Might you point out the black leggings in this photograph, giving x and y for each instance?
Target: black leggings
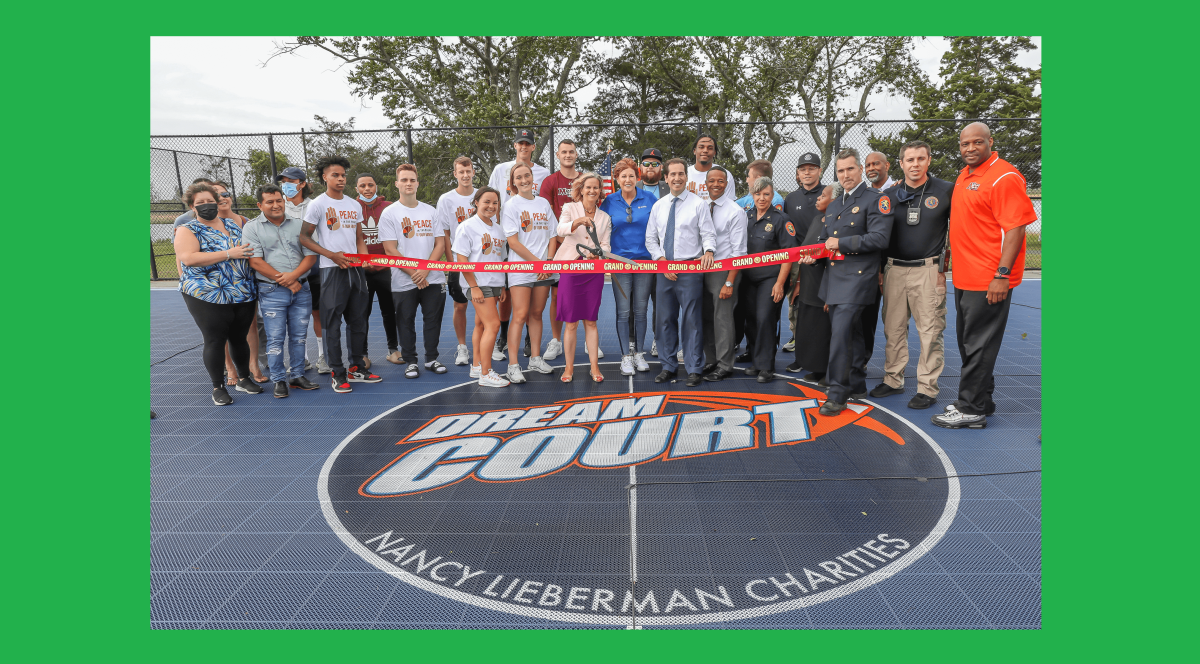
(221, 323)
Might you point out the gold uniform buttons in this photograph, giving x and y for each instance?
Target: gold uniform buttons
(860, 271)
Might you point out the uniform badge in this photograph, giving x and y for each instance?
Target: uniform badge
(790, 229)
(974, 186)
(769, 228)
(855, 209)
(885, 205)
(931, 202)
(779, 206)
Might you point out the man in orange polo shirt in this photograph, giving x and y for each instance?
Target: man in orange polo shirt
(988, 214)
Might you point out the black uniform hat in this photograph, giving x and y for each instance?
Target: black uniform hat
(809, 158)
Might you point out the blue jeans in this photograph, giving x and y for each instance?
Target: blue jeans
(680, 309)
(637, 289)
(285, 315)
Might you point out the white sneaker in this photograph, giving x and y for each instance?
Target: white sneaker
(639, 360)
(497, 354)
(493, 379)
(954, 418)
(461, 356)
(654, 348)
(627, 365)
(553, 350)
(539, 365)
(476, 370)
(679, 356)
(599, 353)
(514, 374)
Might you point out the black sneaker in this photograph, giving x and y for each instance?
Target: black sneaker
(765, 376)
(340, 384)
(859, 395)
(281, 389)
(750, 371)
(248, 386)
(303, 383)
(221, 397)
(794, 367)
(358, 374)
(885, 390)
(921, 401)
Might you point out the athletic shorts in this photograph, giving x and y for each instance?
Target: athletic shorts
(491, 291)
(455, 288)
(314, 285)
(535, 284)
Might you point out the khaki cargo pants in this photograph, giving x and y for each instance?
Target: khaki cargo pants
(913, 292)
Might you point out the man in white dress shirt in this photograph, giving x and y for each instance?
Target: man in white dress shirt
(721, 287)
(680, 229)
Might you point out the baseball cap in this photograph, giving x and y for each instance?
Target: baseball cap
(809, 158)
(653, 152)
(525, 135)
(292, 172)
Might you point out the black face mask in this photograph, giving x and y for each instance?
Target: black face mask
(207, 211)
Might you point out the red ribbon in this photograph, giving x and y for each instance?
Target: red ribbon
(582, 266)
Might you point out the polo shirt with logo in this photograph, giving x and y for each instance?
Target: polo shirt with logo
(987, 204)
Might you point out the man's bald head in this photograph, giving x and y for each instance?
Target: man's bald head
(975, 144)
(877, 169)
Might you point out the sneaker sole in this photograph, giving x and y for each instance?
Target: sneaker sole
(217, 403)
(483, 384)
(513, 381)
(242, 389)
(791, 370)
(975, 425)
(365, 380)
(547, 370)
(281, 396)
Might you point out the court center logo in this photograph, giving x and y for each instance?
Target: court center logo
(679, 506)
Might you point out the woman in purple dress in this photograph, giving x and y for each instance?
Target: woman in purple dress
(579, 295)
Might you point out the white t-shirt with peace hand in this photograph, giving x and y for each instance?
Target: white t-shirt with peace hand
(499, 179)
(337, 222)
(415, 230)
(452, 209)
(531, 222)
(480, 242)
(698, 184)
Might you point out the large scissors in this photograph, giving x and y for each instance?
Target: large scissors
(599, 254)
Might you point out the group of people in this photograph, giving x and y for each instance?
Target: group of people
(893, 239)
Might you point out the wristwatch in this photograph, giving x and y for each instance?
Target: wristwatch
(1002, 272)
(729, 284)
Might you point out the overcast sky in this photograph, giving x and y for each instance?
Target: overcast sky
(207, 85)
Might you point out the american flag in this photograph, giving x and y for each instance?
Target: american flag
(606, 174)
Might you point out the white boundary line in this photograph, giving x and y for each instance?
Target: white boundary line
(909, 557)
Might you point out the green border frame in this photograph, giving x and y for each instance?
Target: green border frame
(78, 94)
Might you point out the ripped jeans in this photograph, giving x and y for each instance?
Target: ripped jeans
(285, 317)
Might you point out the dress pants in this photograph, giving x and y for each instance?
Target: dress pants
(679, 309)
(762, 322)
(432, 300)
(718, 320)
(980, 328)
(343, 295)
(381, 282)
(870, 322)
(847, 352)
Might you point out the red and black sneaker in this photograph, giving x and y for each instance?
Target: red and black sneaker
(357, 374)
(340, 384)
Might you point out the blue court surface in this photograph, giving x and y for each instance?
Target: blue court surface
(434, 503)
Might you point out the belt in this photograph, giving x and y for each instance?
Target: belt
(918, 263)
(299, 281)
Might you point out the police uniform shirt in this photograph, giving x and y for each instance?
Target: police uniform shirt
(773, 231)
(862, 222)
(801, 207)
(929, 208)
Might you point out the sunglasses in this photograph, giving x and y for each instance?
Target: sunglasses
(628, 215)
(651, 164)
(226, 194)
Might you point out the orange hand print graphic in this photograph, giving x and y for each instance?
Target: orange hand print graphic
(406, 225)
(691, 186)
(526, 221)
(460, 214)
(331, 219)
(487, 244)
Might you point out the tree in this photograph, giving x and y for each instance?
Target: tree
(466, 81)
(834, 77)
(259, 171)
(980, 79)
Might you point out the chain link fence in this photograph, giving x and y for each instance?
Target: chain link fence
(245, 161)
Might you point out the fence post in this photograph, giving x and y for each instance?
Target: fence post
(837, 138)
(232, 188)
(408, 140)
(178, 179)
(304, 148)
(153, 263)
(271, 149)
(553, 149)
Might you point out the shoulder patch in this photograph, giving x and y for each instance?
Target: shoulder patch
(779, 206)
(790, 229)
(885, 205)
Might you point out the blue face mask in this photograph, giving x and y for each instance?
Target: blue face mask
(367, 200)
(290, 189)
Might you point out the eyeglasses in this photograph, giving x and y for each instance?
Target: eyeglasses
(651, 164)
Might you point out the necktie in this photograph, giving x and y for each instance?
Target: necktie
(669, 241)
